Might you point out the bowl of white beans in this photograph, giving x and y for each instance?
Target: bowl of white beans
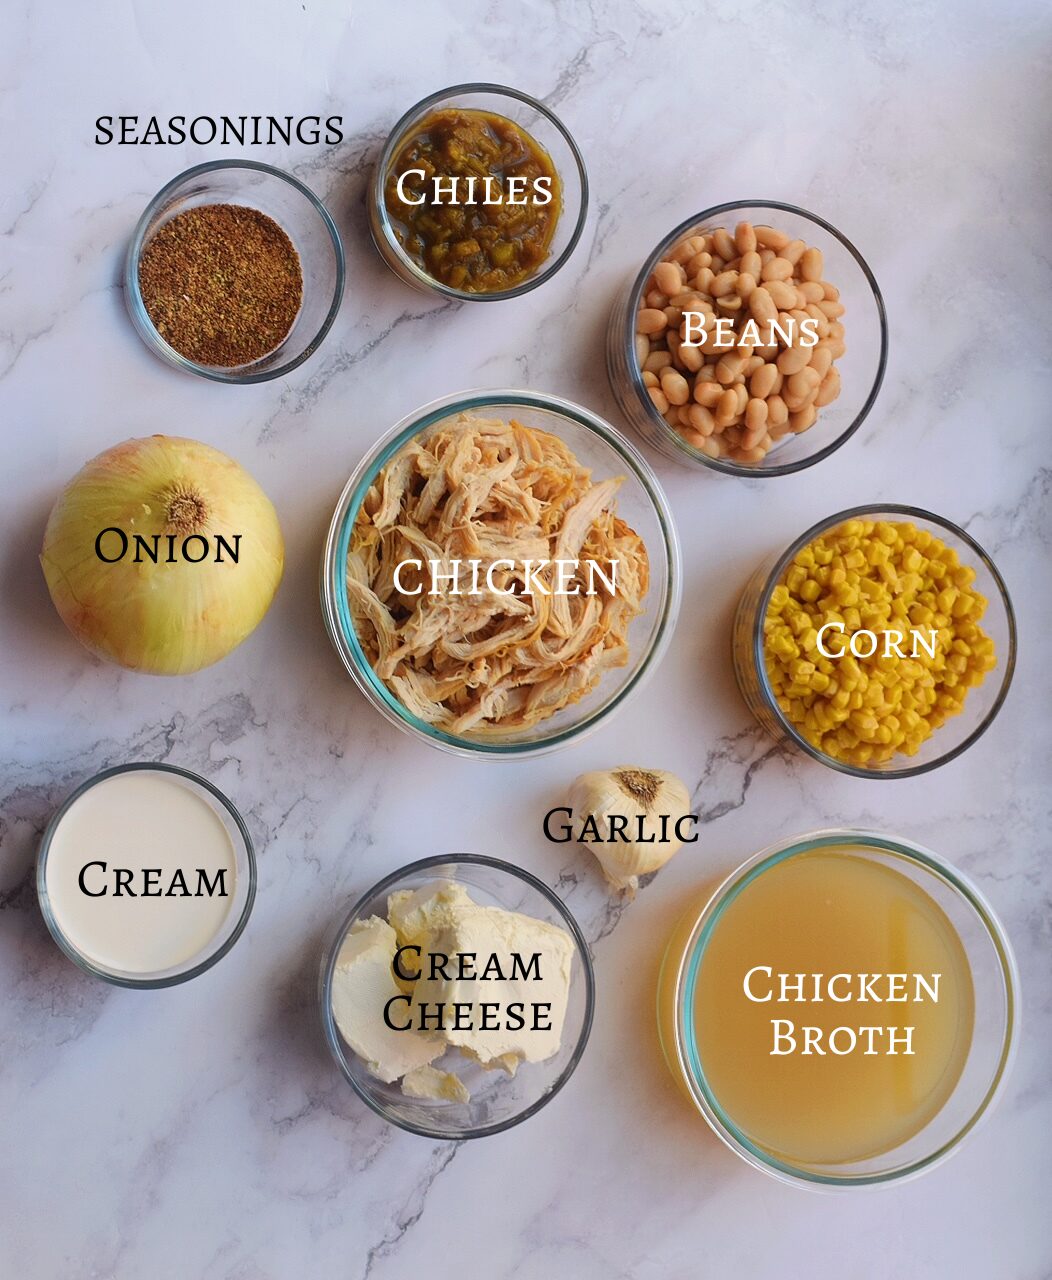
(752, 342)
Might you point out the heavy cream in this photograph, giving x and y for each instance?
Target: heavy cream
(141, 873)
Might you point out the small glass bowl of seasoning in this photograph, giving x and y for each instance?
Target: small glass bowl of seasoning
(146, 875)
(881, 643)
(235, 272)
(499, 667)
(480, 194)
(473, 1100)
(753, 341)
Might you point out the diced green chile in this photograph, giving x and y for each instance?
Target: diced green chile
(474, 200)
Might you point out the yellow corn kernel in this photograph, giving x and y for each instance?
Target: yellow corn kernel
(874, 575)
(873, 695)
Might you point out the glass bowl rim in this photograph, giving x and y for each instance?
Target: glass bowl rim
(756, 640)
(397, 133)
(335, 940)
(336, 607)
(144, 324)
(686, 977)
(58, 933)
(635, 373)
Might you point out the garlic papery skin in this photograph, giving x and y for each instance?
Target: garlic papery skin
(643, 798)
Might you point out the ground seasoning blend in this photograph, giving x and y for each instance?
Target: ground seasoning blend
(222, 284)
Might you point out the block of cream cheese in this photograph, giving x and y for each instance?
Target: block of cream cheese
(362, 983)
(430, 1082)
(534, 959)
(415, 914)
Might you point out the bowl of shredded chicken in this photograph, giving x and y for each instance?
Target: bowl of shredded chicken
(501, 572)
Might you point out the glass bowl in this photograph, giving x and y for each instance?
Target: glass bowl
(861, 367)
(498, 1101)
(640, 502)
(544, 126)
(995, 1024)
(302, 216)
(957, 734)
(240, 907)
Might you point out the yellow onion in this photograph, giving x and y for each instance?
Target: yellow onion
(171, 497)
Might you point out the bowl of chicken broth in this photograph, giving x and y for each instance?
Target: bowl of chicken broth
(842, 1010)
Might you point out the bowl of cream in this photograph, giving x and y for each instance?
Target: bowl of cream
(146, 875)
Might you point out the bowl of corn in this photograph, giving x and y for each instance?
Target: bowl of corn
(882, 642)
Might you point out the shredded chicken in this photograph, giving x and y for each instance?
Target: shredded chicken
(495, 661)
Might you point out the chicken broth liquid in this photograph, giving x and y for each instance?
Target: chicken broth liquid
(805, 1077)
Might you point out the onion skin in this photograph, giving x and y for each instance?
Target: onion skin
(166, 619)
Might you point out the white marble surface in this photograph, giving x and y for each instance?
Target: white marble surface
(203, 1131)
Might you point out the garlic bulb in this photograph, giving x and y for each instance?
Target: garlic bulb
(632, 818)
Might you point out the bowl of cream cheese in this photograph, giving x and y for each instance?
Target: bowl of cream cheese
(456, 996)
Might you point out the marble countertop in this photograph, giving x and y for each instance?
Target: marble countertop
(203, 1131)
